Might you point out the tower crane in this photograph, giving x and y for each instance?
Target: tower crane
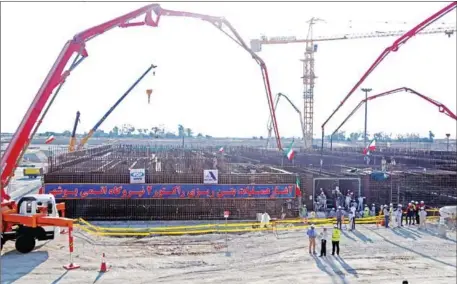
(309, 76)
(270, 122)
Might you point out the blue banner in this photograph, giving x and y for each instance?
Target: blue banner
(169, 191)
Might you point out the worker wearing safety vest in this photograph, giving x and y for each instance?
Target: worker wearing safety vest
(366, 211)
(336, 235)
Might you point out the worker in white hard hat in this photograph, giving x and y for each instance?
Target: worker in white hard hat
(312, 234)
(304, 214)
(324, 237)
(339, 217)
(360, 204)
(386, 216)
(373, 210)
(391, 214)
(399, 216)
(336, 235)
(422, 218)
(352, 214)
(417, 212)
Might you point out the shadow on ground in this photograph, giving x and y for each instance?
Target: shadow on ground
(435, 233)
(348, 236)
(362, 237)
(16, 265)
(323, 267)
(347, 267)
(336, 269)
(407, 234)
(413, 251)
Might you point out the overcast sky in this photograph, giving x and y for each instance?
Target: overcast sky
(208, 83)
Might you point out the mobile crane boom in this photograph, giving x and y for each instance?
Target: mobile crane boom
(71, 146)
(441, 107)
(57, 75)
(393, 48)
(104, 117)
(270, 123)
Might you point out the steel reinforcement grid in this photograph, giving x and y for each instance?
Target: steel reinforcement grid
(177, 209)
(419, 175)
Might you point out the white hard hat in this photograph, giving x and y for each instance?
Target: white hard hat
(399, 205)
(422, 201)
(391, 204)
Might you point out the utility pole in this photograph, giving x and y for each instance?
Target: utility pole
(447, 140)
(366, 90)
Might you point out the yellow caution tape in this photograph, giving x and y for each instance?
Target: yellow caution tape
(218, 228)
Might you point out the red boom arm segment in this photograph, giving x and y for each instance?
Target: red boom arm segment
(441, 108)
(57, 75)
(394, 47)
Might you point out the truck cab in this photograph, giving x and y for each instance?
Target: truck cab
(26, 237)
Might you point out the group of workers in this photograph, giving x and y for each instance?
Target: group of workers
(415, 214)
(323, 236)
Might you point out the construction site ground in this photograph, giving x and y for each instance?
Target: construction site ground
(369, 255)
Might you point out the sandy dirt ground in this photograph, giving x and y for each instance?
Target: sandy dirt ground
(368, 255)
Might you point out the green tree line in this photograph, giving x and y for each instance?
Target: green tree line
(382, 137)
(130, 131)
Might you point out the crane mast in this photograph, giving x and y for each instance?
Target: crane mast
(308, 85)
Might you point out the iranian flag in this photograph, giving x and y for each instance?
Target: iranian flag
(221, 149)
(290, 153)
(371, 148)
(297, 188)
(50, 139)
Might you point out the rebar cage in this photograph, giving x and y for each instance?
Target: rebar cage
(417, 175)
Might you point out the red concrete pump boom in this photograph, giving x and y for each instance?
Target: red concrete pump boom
(441, 107)
(394, 47)
(76, 46)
